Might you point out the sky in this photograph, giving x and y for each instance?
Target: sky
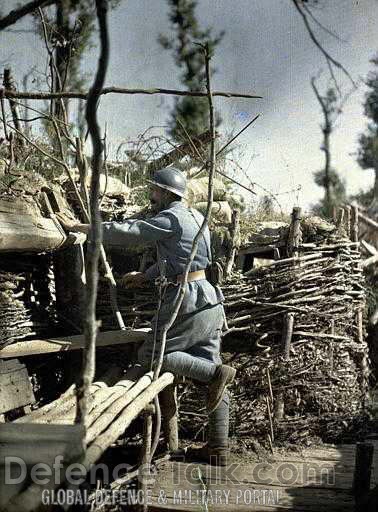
(266, 50)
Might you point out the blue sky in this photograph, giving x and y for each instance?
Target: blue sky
(266, 50)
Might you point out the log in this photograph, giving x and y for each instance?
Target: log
(180, 151)
(30, 499)
(369, 261)
(367, 220)
(59, 407)
(370, 248)
(118, 426)
(120, 402)
(76, 342)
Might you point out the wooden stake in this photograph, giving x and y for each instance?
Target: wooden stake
(168, 403)
(348, 220)
(146, 455)
(234, 232)
(331, 346)
(295, 234)
(354, 223)
(287, 334)
(360, 326)
(362, 469)
(340, 217)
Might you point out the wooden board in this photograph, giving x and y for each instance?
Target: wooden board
(34, 444)
(33, 347)
(15, 387)
(327, 486)
(237, 490)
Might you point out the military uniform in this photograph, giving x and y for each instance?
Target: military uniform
(193, 342)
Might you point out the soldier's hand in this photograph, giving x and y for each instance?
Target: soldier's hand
(133, 280)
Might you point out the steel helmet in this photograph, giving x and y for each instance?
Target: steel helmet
(171, 179)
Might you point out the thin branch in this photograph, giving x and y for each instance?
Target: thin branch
(120, 90)
(182, 287)
(327, 30)
(95, 235)
(19, 13)
(330, 60)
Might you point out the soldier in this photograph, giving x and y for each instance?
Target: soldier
(193, 342)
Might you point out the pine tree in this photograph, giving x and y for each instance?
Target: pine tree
(192, 112)
(70, 25)
(368, 150)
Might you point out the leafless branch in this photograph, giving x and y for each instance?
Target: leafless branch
(315, 20)
(329, 59)
(19, 13)
(120, 90)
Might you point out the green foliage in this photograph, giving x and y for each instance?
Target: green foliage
(368, 150)
(337, 191)
(189, 57)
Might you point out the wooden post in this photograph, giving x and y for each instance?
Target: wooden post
(354, 223)
(360, 325)
(234, 235)
(340, 217)
(334, 214)
(295, 234)
(287, 334)
(70, 285)
(362, 469)
(146, 454)
(168, 404)
(331, 346)
(348, 217)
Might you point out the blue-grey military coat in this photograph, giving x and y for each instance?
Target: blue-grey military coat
(173, 230)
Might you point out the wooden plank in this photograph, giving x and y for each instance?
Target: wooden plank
(262, 249)
(15, 387)
(33, 347)
(173, 479)
(285, 474)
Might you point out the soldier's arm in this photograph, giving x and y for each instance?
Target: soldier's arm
(137, 231)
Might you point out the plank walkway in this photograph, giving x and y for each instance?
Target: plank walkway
(312, 480)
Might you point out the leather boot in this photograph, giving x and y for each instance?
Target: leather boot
(223, 377)
(214, 455)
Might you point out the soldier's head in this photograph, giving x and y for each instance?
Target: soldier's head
(167, 185)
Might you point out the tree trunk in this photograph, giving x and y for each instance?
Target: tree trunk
(327, 168)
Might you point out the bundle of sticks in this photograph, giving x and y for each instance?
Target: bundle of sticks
(26, 298)
(296, 337)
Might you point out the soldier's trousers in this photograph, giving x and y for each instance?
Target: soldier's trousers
(193, 350)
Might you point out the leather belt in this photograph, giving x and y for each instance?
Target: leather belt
(192, 276)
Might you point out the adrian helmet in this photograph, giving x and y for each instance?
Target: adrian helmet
(171, 179)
